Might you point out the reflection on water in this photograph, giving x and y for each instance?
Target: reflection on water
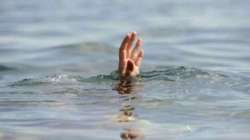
(132, 134)
(127, 114)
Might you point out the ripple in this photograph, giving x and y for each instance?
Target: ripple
(28, 82)
(5, 68)
(173, 73)
(195, 88)
(82, 48)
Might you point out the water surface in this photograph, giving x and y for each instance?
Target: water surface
(58, 62)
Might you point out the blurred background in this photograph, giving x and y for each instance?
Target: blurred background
(208, 33)
(49, 49)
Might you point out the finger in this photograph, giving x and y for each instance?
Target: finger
(137, 49)
(124, 45)
(139, 58)
(122, 53)
(130, 42)
(122, 65)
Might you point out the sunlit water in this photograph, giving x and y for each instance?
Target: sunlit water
(58, 62)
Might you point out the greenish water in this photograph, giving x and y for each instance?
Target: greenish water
(58, 62)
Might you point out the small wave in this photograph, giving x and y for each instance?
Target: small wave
(113, 76)
(60, 78)
(169, 73)
(81, 48)
(174, 73)
(5, 68)
(28, 82)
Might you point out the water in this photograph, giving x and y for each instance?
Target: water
(57, 63)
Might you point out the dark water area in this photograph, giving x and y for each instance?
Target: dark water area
(58, 62)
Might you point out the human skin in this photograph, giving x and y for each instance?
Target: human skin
(130, 56)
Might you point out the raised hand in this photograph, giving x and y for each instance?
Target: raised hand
(130, 58)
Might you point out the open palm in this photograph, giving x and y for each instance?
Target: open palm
(130, 58)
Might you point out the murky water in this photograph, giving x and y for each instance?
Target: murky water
(58, 62)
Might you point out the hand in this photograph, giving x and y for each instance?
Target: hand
(130, 58)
